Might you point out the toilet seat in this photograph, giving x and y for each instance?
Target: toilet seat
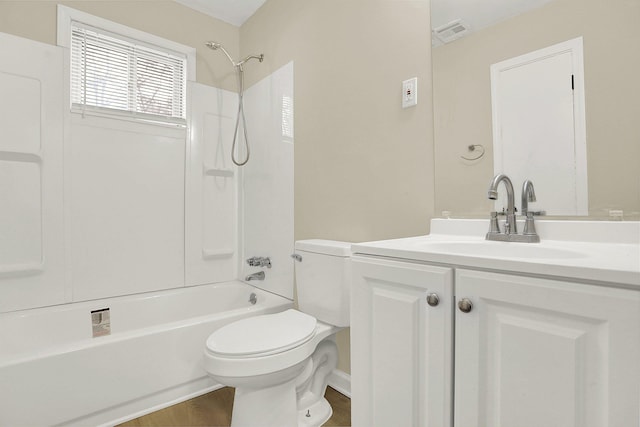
(291, 352)
(262, 335)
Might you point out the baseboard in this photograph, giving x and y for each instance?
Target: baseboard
(341, 382)
(146, 405)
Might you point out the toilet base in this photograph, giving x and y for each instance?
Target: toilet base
(284, 397)
(273, 406)
(297, 402)
(316, 414)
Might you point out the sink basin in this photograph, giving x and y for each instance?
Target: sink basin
(499, 250)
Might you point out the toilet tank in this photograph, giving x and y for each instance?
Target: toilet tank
(323, 280)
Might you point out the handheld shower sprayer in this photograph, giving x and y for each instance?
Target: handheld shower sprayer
(240, 73)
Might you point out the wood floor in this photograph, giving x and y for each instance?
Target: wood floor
(214, 409)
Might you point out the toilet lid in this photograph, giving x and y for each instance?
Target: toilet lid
(265, 334)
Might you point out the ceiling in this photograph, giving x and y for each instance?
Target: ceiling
(474, 13)
(234, 12)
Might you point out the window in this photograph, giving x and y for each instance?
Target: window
(122, 71)
(111, 72)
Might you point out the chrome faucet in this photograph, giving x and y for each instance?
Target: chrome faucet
(255, 276)
(510, 234)
(510, 225)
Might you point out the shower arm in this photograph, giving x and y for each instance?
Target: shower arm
(239, 64)
(258, 57)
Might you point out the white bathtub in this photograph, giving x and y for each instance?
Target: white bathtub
(53, 372)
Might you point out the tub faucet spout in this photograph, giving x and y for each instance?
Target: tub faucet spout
(255, 276)
(510, 226)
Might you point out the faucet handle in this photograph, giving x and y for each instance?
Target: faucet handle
(259, 262)
(537, 213)
(494, 227)
(529, 227)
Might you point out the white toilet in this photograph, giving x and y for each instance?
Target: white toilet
(279, 363)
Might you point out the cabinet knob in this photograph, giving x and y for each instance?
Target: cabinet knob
(433, 300)
(465, 305)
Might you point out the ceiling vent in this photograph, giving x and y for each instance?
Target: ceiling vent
(451, 31)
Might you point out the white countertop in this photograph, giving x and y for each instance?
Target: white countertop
(593, 251)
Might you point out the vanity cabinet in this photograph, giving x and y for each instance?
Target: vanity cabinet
(401, 340)
(529, 351)
(539, 352)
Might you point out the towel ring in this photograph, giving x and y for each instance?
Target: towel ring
(471, 149)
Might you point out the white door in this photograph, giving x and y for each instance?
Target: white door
(538, 126)
(400, 345)
(31, 177)
(534, 352)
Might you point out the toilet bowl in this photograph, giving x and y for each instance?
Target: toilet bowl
(279, 363)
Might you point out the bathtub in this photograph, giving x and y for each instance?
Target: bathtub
(54, 372)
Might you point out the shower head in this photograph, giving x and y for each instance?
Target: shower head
(215, 46)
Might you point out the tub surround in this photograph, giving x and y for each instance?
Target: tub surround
(267, 181)
(108, 207)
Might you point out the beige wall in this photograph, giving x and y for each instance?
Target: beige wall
(462, 101)
(36, 20)
(363, 165)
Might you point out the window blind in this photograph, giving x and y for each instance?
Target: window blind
(112, 73)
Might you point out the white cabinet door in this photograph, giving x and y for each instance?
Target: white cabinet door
(400, 345)
(535, 352)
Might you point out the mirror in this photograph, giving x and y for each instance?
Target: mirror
(501, 29)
